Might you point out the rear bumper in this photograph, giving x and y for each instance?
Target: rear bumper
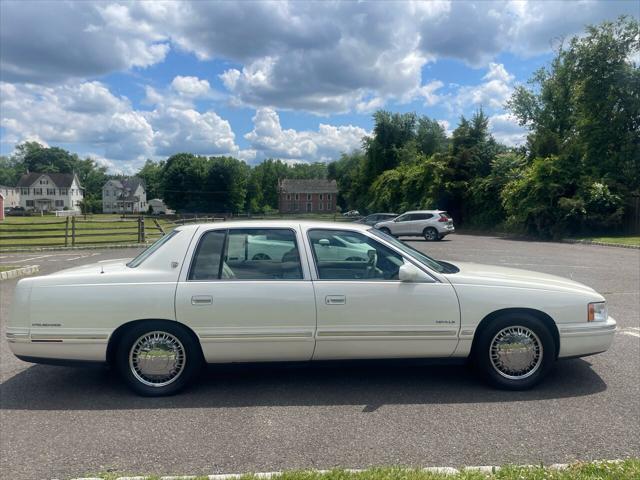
(577, 340)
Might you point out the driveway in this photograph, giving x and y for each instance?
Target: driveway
(60, 422)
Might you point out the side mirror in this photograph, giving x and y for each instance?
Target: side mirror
(324, 242)
(409, 273)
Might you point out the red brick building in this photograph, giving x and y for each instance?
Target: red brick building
(307, 196)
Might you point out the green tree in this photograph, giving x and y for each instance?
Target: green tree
(151, 173)
(583, 115)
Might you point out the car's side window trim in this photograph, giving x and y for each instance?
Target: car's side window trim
(296, 240)
(196, 251)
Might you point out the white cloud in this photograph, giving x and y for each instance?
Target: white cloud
(190, 86)
(491, 94)
(49, 42)
(121, 137)
(504, 127)
(271, 140)
(187, 130)
(86, 113)
(323, 57)
(89, 114)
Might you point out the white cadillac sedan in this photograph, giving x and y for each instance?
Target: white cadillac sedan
(300, 291)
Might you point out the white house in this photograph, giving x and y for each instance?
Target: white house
(50, 191)
(126, 195)
(158, 206)
(11, 196)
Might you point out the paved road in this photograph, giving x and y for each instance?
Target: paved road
(59, 422)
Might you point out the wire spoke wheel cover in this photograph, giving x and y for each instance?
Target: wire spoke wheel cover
(516, 352)
(157, 359)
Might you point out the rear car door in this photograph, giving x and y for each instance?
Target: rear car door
(365, 311)
(248, 296)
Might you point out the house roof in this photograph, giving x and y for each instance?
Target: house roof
(128, 183)
(316, 185)
(60, 180)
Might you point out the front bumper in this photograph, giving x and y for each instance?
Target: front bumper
(578, 340)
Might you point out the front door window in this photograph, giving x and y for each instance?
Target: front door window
(348, 255)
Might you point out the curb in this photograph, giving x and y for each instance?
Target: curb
(267, 475)
(601, 244)
(19, 272)
(78, 247)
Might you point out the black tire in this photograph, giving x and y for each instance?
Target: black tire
(490, 367)
(385, 230)
(191, 364)
(261, 256)
(430, 234)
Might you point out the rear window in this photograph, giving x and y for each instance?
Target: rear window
(154, 247)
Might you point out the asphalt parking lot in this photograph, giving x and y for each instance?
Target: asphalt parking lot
(59, 422)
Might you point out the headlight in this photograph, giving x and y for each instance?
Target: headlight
(597, 312)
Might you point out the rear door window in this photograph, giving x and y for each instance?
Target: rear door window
(247, 254)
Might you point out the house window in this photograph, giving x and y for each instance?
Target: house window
(297, 197)
(328, 205)
(328, 196)
(59, 203)
(37, 191)
(308, 196)
(30, 203)
(320, 206)
(24, 191)
(51, 191)
(320, 196)
(106, 193)
(288, 196)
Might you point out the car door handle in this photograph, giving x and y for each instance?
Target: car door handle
(201, 300)
(335, 299)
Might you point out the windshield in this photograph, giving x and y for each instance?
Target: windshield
(151, 249)
(417, 254)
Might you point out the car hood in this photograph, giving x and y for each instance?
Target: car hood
(479, 274)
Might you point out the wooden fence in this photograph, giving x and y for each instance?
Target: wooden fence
(73, 231)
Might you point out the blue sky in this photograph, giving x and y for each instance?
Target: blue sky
(125, 81)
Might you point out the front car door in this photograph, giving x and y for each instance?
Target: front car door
(365, 311)
(247, 293)
(401, 225)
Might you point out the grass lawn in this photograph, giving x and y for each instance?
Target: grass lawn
(111, 229)
(6, 268)
(622, 240)
(626, 470)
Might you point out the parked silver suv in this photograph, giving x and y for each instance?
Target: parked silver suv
(430, 224)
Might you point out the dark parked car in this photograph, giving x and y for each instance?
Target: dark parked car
(377, 217)
(17, 212)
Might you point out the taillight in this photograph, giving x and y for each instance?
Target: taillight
(443, 218)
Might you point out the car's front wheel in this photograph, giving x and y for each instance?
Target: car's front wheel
(158, 358)
(514, 352)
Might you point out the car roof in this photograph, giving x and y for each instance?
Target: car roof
(424, 211)
(305, 224)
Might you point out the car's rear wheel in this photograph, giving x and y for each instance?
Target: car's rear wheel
(158, 358)
(514, 352)
(430, 234)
